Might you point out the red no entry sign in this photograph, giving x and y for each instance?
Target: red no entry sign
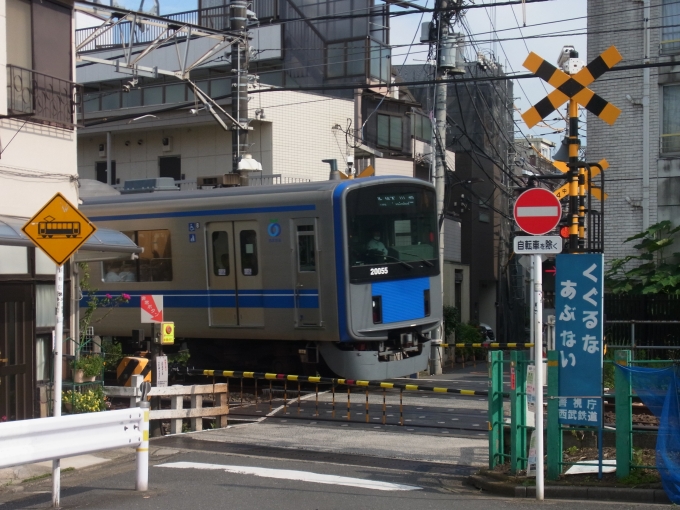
(537, 211)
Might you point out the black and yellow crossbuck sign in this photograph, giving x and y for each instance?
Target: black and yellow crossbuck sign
(572, 87)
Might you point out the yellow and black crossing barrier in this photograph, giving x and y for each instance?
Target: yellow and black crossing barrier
(492, 345)
(331, 380)
(131, 365)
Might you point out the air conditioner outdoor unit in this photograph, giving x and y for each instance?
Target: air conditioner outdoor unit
(219, 181)
(166, 141)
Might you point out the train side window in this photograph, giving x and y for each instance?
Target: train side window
(306, 252)
(248, 239)
(220, 247)
(153, 265)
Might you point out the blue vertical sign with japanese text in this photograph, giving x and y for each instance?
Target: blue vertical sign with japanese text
(579, 291)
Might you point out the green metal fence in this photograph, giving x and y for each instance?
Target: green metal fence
(519, 428)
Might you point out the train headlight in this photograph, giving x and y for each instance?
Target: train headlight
(377, 309)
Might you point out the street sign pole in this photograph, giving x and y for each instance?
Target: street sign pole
(537, 267)
(58, 229)
(58, 335)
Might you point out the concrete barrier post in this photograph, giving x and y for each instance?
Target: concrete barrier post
(142, 479)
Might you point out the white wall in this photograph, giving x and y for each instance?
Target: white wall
(400, 167)
(294, 137)
(37, 161)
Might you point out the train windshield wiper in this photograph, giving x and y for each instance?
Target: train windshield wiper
(419, 258)
(406, 264)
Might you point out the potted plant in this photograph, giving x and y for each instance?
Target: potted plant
(90, 401)
(87, 368)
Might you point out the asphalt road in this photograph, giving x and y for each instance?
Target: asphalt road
(301, 460)
(190, 479)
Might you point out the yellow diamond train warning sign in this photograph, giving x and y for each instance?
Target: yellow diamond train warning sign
(59, 229)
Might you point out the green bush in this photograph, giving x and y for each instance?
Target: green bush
(91, 365)
(451, 321)
(113, 353)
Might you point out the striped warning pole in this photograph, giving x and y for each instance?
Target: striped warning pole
(523, 345)
(237, 374)
(142, 481)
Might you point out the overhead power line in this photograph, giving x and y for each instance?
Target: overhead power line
(188, 104)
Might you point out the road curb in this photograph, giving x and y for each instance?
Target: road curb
(626, 494)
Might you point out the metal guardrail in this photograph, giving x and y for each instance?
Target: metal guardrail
(42, 97)
(633, 343)
(28, 441)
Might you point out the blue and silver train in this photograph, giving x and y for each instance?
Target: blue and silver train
(344, 273)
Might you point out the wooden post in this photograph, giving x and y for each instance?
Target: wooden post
(176, 402)
(197, 403)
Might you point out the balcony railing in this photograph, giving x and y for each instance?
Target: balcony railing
(42, 97)
(215, 18)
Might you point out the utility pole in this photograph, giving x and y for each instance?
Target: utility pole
(238, 20)
(446, 44)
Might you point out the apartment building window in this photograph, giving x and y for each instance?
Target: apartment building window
(148, 92)
(346, 58)
(19, 41)
(670, 129)
(390, 131)
(484, 212)
(380, 62)
(422, 128)
(670, 33)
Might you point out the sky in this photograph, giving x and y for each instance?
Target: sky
(510, 24)
(511, 53)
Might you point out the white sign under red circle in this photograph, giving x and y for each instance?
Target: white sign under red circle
(537, 211)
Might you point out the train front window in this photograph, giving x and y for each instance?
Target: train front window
(392, 224)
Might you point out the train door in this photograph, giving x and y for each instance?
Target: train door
(16, 352)
(307, 289)
(221, 274)
(249, 295)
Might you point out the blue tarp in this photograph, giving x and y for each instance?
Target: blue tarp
(658, 390)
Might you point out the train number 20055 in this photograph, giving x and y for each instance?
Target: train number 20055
(378, 270)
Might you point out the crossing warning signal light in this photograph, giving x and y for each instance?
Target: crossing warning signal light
(564, 232)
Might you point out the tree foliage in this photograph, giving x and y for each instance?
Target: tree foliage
(653, 270)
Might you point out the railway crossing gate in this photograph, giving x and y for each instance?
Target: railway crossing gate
(571, 84)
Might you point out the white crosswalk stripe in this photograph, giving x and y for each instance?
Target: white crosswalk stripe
(289, 474)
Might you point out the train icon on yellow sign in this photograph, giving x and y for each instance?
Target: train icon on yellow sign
(50, 228)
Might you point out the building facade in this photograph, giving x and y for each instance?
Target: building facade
(480, 134)
(38, 159)
(643, 146)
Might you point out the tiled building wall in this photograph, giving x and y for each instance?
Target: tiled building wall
(621, 144)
